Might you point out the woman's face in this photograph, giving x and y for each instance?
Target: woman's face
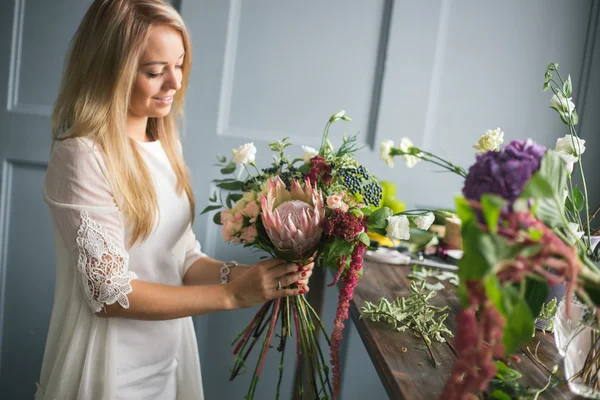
(159, 74)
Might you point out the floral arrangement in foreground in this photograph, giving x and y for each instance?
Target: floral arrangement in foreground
(315, 208)
(523, 224)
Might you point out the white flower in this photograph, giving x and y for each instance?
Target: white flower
(569, 161)
(570, 145)
(569, 148)
(384, 153)
(406, 146)
(490, 141)
(398, 228)
(564, 106)
(309, 152)
(424, 221)
(573, 235)
(245, 154)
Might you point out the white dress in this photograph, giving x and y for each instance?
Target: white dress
(95, 358)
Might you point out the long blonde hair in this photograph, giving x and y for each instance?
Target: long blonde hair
(98, 78)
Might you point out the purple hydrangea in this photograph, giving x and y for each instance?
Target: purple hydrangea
(504, 172)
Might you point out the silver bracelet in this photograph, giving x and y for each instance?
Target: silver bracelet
(226, 269)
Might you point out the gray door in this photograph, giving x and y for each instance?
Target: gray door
(34, 36)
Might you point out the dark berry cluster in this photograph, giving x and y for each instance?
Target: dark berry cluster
(289, 175)
(358, 180)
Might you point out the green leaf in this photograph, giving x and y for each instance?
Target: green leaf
(519, 320)
(235, 197)
(221, 158)
(575, 118)
(213, 198)
(229, 202)
(211, 208)
(339, 247)
(569, 204)
(593, 292)
(503, 372)
(493, 291)
(547, 186)
(379, 218)
(474, 263)
(578, 200)
(366, 211)
(217, 218)
(568, 87)
(237, 185)
(536, 292)
(492, 207)
(363, 237)
(499, 395)
(464, 210)
(229, 168)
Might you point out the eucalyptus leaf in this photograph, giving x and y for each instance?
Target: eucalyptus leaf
(229, 168)
(217, 218)
(211, 208)
(221, 158)
(237, 185)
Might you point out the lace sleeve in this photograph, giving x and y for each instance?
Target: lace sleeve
(88, 223)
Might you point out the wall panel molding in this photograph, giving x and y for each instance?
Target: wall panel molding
(5, 202)
(14, 77)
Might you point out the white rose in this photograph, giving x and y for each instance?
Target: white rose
(245, 154)
(424, 221)
(570, 145)
(573, 235)
(397, 227)
(309, 152)
(384, 153)
(562, 105)
(406, 146)
(490, 141)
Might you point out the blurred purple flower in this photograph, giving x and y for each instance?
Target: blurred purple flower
(505, 172)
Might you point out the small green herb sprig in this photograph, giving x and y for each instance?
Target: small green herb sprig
(413, 312)
(506, 385)
(421, 274)
(547, 314)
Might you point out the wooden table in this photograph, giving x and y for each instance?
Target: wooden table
(405, 368)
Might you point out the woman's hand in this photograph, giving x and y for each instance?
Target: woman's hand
(261, 282)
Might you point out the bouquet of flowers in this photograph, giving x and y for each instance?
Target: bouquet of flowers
(522, 231)
(316, 208)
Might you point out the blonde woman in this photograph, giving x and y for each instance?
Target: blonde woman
(130, 272)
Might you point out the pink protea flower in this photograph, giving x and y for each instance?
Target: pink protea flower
(293, 218)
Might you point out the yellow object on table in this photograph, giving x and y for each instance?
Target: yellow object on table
(382, 240)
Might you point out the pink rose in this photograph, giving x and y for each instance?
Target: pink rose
(251, 211)
(249, 234)
(334, 202)
(232, 225)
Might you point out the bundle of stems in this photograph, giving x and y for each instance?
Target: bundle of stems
(296, 315)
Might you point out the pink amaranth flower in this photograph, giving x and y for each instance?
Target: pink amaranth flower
(320, 171)
(346, 292)
(479, 338)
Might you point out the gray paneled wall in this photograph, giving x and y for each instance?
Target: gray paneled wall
(438, 71)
